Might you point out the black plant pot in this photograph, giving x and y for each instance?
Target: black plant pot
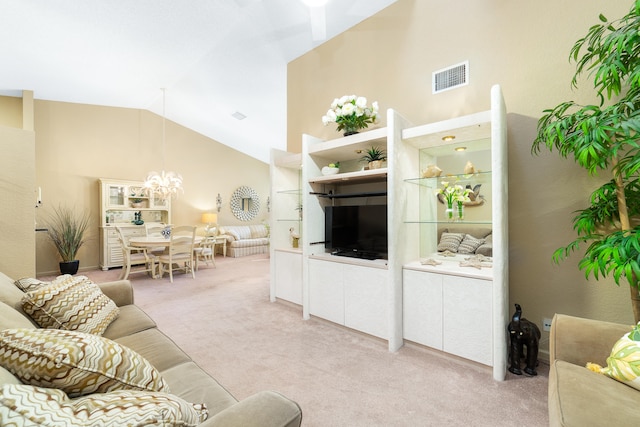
(69, 267)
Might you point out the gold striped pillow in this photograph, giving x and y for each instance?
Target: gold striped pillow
(72, 303)
(27, 405)
(75, 362)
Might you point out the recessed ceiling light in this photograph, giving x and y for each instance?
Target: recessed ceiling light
(460, 148)
(238, 115)
(448, 138)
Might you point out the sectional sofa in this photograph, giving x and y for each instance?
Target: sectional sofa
(143, 374)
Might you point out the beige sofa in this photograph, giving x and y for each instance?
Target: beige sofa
(243, 240)
(136, 330)
(577, 396)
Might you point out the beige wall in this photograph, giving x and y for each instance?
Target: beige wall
(524, 47)
(17, 209)
(76, 144)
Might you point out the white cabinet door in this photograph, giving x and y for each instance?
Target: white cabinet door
(468, 318)
(288, 276)
(365, 300)
(326, 291)
(422, 308)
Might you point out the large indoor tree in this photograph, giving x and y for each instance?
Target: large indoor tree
(604, 138)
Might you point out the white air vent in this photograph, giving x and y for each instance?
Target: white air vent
(450, 77)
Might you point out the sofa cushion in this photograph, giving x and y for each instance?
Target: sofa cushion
(27, 284)
(29, 405)
(9, 292)
(155, 347)
(469, 244)
(579, 397)
(191, 383)
(450, 241)
(75, 362)
(12, 318)
(131, 320)
(72, 303)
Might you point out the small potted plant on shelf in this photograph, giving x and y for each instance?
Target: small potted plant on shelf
(137, 202)
(374, 157)
(331, 169)
(66, 230)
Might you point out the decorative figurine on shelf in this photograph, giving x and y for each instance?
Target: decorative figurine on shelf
(431, 171)
(523, 333)
(295, 238)
(469, 169)
(138, 218)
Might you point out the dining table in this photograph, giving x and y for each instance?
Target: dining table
(147, 242)
(154, 241)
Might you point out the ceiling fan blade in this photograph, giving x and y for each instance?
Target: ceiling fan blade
(318, 23)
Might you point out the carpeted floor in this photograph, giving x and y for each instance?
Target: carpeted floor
(339, 377)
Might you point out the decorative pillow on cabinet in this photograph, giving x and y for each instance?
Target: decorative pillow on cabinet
(450, 242)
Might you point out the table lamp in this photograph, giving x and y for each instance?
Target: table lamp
(209, 219)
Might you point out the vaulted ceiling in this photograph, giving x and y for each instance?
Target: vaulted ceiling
(214, 57)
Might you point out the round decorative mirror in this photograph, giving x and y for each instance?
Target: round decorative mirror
(245, 203)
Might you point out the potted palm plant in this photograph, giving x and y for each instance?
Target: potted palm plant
(66, 229)
(374, 156)
(604, 138)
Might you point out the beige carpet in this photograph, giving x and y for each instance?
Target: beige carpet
(225, 321)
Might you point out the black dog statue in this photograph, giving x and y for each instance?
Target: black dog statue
(523, 333)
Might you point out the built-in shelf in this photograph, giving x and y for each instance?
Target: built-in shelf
(351, 195)
(456, 179)
(350, 147)
(368, 175)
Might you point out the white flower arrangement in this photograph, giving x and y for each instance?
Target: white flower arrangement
(351, 113)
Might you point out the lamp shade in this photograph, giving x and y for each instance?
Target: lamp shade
(209, 218)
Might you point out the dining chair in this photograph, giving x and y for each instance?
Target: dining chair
(204, 251)
(134, 256)
(180, 253)
(155, 231)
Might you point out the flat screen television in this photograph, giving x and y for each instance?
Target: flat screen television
(356, 231)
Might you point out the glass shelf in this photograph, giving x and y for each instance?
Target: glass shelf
(455, 179)
(465, 222)
(295, 192)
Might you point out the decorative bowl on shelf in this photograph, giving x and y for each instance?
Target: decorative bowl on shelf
(330, 171)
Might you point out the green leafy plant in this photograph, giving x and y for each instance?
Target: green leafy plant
(604, 137)
(351, 113)
(373, 154)
(66, 231)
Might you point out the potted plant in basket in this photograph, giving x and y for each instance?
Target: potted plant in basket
(374, 157)
(66, 230)
(604, 138)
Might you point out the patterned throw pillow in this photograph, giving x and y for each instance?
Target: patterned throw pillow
(27, 284)
(72, 303)
(75, 363)
(469, 244)
(27, 405)
(450, 242)
(623, 364)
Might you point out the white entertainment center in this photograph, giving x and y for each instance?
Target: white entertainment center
(439, 304)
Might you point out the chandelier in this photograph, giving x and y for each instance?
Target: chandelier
(164, 184)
